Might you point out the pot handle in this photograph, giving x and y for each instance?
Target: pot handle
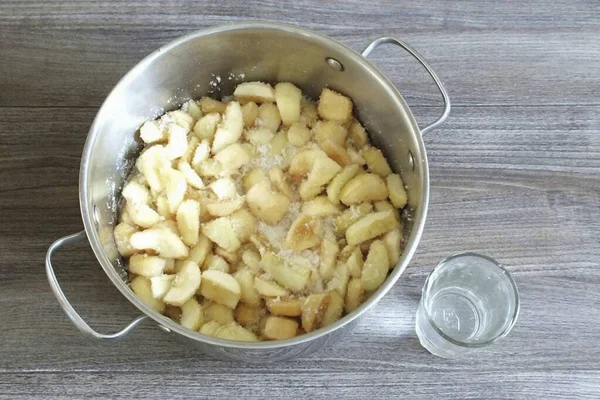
(384, 40)
(66, 305)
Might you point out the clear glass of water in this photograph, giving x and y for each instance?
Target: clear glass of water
(469, 301)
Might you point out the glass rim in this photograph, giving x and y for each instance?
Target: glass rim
(502, 334)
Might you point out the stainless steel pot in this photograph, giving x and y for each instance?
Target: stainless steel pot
(214, 60)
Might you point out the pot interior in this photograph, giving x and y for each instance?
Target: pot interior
(213, 62)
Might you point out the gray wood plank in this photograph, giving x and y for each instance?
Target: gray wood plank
(515, 173)
(518, 183)
(72, 53)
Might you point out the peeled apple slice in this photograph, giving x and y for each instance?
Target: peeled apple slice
(188, 221)
(175, 187)
(142, 214)
(230, 129)
(142, 288)
(162, 240)
(185, 284)
(151, 132)
(220, 287)
(190, 175)
(145, 265)
(177, 142)
(149, 163)
(192, 315)
(160, 285)
(257, 92)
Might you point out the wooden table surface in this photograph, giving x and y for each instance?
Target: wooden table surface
(515, 173)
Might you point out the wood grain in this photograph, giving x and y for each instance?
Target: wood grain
(486, 53)
(515, 173)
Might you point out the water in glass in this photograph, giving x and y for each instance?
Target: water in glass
(468, 302)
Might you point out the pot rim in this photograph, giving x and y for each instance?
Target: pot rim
(166, 323)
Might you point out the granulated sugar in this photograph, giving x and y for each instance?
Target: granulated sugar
(276, 234)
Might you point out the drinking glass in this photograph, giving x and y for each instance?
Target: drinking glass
(469, 301)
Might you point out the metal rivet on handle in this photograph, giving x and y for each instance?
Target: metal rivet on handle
(335, 64)
(411, 160)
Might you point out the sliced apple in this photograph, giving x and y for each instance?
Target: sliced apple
(334, 106)
(258, 92)
(175, 187)
(364, 188)
(221, 288)
(291, 307)
(152, 132)
(355, 295)
(221, 232)
(230, 128)
(188, 221)
(279, 328)
(358, 134)
(184, 286)
(304, 233)
(250, 112)
(396, 189)
(313, 309)
(191, 177)
(192, 315)
(142, 288)
(376, 266)
(234, 331)
(217, 312)
(259, 136)
(201, 154)
(232, 157)
(392, 242)
(181, 118)
(269, 289)
(370, 226)
(339, 181)
(351, 215)
(355, 263)
(244, 224)
(248, 316)
(249, 294)
(255, 176)
(292, 276)
(224, 188)
(206, 127)
(210, 328)
(320, 206)
(298, 134)
(142, 215)
(177, 145)
(334, 310)
(161, 285)
(303, 162)
(149, 164)
(339, 281)
(145, 265)
(122, 234)
(268, 116)
(225, 208)
(136, 193)
(279, 182)
(329, 252)
(330, 130)
(288, 97)
(161, 240)
(215, 262)
(265, 204)
(210, 105)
